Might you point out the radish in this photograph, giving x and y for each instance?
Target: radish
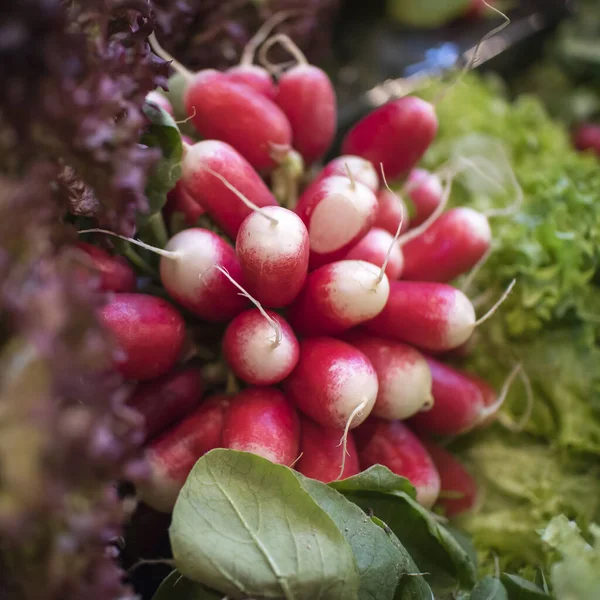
(149, 332)
(431, 316)
(333, 383)
(375, 247)
(220, 179)
(362, 171)
(459, 403)
(114, 271)
(273, 248)
(393, 445)
(391, 210)
(262, 421)
(172, 455)
(168, 399)
(403, 375)
(179, 201)
(458, 493)
(339, 296)
(454, 244)
(321, 453)
(587, 137)
(396, 134)
(260, 347)
(424, 190)
(157, 98)
(307, 98)
(338, 212)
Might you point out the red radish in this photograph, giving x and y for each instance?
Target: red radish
(337, 297)
(451, 246)
(458, 493)
(160, 100)
(273, 255)
(149, 332)
(115, 273)
(262, 421)
(425, 191)
(460, 404)
(172, 455)
(338, 212)
(375, 247)
(321, 453)
(260, 348)
(187, 274)
(306, 96)
(361, 169)
(333, 383)
(255, 77)
(217, 193)
(489, 396)
(393, 445)
(179, 201)
(587, 137)
(396, 135)
(391, 211)
(166, 400)
(403, 374)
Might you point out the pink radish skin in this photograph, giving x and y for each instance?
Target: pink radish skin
(262, 421)
(114, 271)
(425, 193)
(393, 445)
(331, 381)
(403, 374)
(458, 403)
(337, 297)
(191, 280)
(451, 246)
(391, 211)
(160, 100)
(337, 213)
(172, 456)
(321, 453)
(167, 400)
(179, 201)
(431, 316)
(258, 124)
(587, 137)
(490, 398)
(148, 331)
(223, 205)
(454, 479)
(255, 77)
(250, 350)
(396, 135)
(374, 248)
(306, 96)
(362, 170)
(273, 257)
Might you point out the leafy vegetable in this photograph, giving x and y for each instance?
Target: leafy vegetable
(522, 589)
(489, 588)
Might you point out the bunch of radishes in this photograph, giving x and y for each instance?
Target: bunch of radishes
(351, 301)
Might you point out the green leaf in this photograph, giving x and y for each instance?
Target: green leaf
(380, 562)
(375, 479)
(246, 527)
(177, 587)
(163, 134)
(489, 588)
(521, 589)
(434, 550)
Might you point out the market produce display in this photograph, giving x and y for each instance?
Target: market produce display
(371, 377)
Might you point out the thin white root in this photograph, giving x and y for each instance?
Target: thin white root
(518, 202)
(263, 32)
(241, 196)
(160, 51)
(519, 426)
(351, 177)
(476, 268)
(165, 253)
(495, 407)
(296, 460)
(288, 44)
(272, 322)
(344, 441)
(496, 306)
(398, 229)
(186, 120)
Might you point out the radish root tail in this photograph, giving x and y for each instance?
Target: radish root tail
(165, 253)
(495, 407)
(471, 276)
(519, 426)
(288, 44)
(160, 51)
(496, 306)
(344, 441)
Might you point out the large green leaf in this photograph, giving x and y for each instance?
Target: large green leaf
(177, 587)
(246, 527)
(375, 479)
(521, 589)
(489, 588)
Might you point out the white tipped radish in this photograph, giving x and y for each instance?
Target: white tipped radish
(273, 256)
(375, 247)
(339, 296)
(362, 170)
(333, 383)
(403, 373)
(338, 212)
(424, 190)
